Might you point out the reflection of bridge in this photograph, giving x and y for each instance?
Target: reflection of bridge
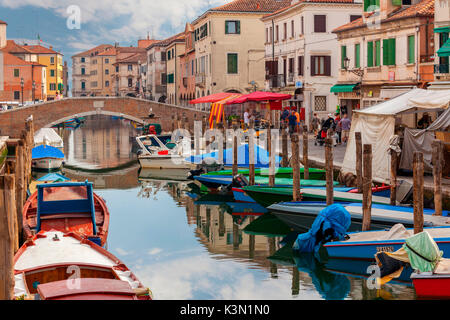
(50, 113)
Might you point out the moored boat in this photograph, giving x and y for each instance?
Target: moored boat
(46, 158)
(280, 172)
(65, 266)
(48, 178)
(433, 285)
(67, 207)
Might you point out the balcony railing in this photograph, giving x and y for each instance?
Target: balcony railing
(290, 78)
(276, 81)
(441, 68)
(200, 79)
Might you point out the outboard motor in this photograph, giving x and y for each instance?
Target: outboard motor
(194, 173)
(238, 181)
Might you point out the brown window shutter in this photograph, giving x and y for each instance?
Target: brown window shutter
(300, 65)
(313, 71)
(327, 65)
(320, 23)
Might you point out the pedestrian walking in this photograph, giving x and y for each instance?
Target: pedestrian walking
(337, 124)
(345, 126)
(315, 122)
(292, 120)
(247, 119)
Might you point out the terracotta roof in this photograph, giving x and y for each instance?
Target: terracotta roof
(2, 22)
(40, 49)
(132, 58)
(145, 43)
(425, 8)
(306, 1)
(10, 59)
(253, 6)
(109, 52)
(163, 43)
(98, 49)
(13, 47)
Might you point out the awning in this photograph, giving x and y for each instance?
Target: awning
(444, 51)
(217, 111)
(216, 97)
(441, 29)
(343, 87)
(260, 96)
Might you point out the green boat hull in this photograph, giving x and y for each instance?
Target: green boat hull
(266, 196)
(314, 174)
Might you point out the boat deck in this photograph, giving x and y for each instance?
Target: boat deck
(398, 234)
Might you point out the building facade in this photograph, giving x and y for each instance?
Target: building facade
(127, 71)
(175, 49)
(302, 53)
(385, 53)
(187, 67)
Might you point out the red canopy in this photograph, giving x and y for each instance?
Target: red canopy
(260, 96)
(213, 97)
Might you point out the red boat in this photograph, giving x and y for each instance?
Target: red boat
(433, 285)
(53, 265)
(67, 207)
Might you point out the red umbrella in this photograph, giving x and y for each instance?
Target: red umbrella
(213, 98)
(260, 96)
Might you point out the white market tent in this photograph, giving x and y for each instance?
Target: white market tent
(377, 126)
(52, 138)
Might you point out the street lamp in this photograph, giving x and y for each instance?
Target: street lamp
(32, 93)
(21, 86)
(358, 72)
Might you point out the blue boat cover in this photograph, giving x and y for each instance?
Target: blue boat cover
(331, 223)
(261, 157)
(44, 151)
(53, 177)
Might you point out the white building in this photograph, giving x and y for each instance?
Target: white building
(302, 54)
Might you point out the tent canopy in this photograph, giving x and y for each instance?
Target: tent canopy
(49, 134)
(216, 97)
(260, 96)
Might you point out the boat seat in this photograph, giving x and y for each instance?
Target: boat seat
(66, 215)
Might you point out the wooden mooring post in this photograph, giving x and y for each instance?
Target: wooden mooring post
(271, 157)
(235, 155)
(305, 153)
(418, 180)
(296, 195)
(284, 147)
(359, 155)
(437, 176)
(394, 161)
(367, 187)
(251, 153)
(329, 170)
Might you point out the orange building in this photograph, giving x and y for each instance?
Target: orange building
(187, 68)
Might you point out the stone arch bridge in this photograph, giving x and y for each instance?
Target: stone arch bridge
(47, 114)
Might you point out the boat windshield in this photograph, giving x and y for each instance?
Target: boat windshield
(65, 193)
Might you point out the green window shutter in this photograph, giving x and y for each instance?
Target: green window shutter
(357, 55)
(343, 55)
(378, 52)
(411, 51)
(370, 54)
(385, 52)
(392, 52)
(377, 3)
(366, 5)
(232, 63)
(397, 2)
(226, 27)
(238, 27)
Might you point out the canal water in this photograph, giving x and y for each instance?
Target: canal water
(183, 245)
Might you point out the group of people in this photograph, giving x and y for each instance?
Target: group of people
(341, 126)
(292, 118)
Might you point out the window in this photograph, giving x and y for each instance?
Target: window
(52, 60)
(291, 66)
(373, 53)
(94, 84)
(357, 55)
(411, 49)
(343, 56)
(320, 23)
(320, 65)
(94, 61)
(292, 28)
(16, 95)
(106, 60)
(163, 56)
(83, 71)
(130, 82)
(52, 86)
(52, 73)
(163, 78)
(232, 63)
(320, 103)
(117, 68)
(106, 83)
(16, 73)
(354, 17)
(130, 67)
(170, 78)
(83, 60)
(301, 65)
(106, 71)
(302, 30)
(277, 34)
(202, 32)
(233, 27)
(389, 52)
(271, 35)
(83, 85)
(371, 5)
(267, 35)
(284, 31)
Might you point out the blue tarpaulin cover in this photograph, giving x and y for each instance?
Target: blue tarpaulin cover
(331, 223)
(44, 151)
(53, 177)
(261, 157)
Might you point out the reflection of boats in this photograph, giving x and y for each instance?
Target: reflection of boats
(46, 158)
(46, 264)
(213, 199)
(163, 174)
(160, 154)
(239, 208)
(364, 245)
(269, 195)
(382, 216)
(267, 225)
(67, 207)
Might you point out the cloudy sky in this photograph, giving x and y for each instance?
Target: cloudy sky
(101, 21)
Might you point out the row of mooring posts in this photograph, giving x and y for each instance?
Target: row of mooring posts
(15, 176)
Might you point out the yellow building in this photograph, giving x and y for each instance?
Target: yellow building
(54, 71)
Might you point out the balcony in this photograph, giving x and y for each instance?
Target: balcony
(276, 81)
(200, 80)
(441, 68)
(290, 78)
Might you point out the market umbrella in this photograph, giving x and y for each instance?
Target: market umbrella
(212, 98)
(259, 96)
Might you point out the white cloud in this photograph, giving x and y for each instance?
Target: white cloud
(154, 251)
